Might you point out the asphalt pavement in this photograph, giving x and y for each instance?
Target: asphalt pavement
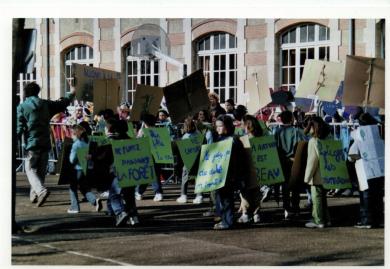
(178, 234)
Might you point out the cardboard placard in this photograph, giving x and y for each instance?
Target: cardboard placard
(186, 97)
(82, 158)
(333, 167)
(160, 144)
(357, 77)
(189, 149)
(372, 151)
(99, 140)
(106, 94)
(84, 76)
(320, 78)
(133, 162)
(213, 166)
(131, 132)
(251, 180)
(259, 95)
(266, 160)
(147, 100)
(65, 168)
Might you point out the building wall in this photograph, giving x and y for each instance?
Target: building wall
(257, 44)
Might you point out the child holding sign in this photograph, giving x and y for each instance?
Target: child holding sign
(250, 195)
(190, 131)
(235, 175)
(319, 130)
(80, 139)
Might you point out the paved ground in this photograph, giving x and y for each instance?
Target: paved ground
(173, 234)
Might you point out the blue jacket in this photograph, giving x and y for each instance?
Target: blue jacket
(73, 153)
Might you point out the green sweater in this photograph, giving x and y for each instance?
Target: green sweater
(33, 120)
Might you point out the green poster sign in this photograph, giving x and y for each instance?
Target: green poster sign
(82, 158)
(239, 131)
(100, 140)
(133, 162)
(333, 168)
(160, 144)
(266, 160)
(213, 166)
(189, 149)
(263, 127)
(131, 131)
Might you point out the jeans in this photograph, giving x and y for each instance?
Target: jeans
(157, 188)
(36, 168)
(74, 201)
(320, 211)
(130, 204)
(225, 203)
(371, 202)
(114, 201)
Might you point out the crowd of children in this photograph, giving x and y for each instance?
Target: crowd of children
(218, 124)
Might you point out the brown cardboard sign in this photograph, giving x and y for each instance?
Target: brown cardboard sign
(187, 96)
(147, 100)
(84, 76)
(321, 78)
(359, 73)
(107, 94)
(259, 94)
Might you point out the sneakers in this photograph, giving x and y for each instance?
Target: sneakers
(73, 211)
(42, 198)
(120, 219)
(33, 197)
(243, 219)
(265, 191)
(256, 218)
(133, 221)
(360, 225)
(182, 199)
(314, 225)
(221, 226)
(198, 200)
(99, 205)
(104, 195)
(158, 197)
(138, 196)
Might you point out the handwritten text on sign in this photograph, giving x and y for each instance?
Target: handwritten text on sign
(266, 160)
(133, 162)
(189, 149)
(160, 144)
(213, 166)
(333, 168)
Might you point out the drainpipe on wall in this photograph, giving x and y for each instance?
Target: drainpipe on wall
(351, 47)
(48, 57)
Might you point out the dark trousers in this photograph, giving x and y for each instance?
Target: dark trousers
(371, 202)
(129, 198)
(157, 188)
(290, 196)
(225, 204)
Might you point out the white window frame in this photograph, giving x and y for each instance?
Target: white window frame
(139, 75)
(68, 63)
(297, 46)
(24, 79)
(214, 52)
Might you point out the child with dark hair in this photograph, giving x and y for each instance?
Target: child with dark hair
(80, 139)
(189, 130)
(149, 121)
(319, 130)
(229, 105)
(235, 176)
(287, 137)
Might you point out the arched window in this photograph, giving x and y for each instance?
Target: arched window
(217, 56)
(306, 41)
(140, 71)
(80, 54)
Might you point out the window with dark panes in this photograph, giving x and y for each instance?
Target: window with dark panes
(80, 54)
(141, 71)
(217, 56)
(306, 41)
